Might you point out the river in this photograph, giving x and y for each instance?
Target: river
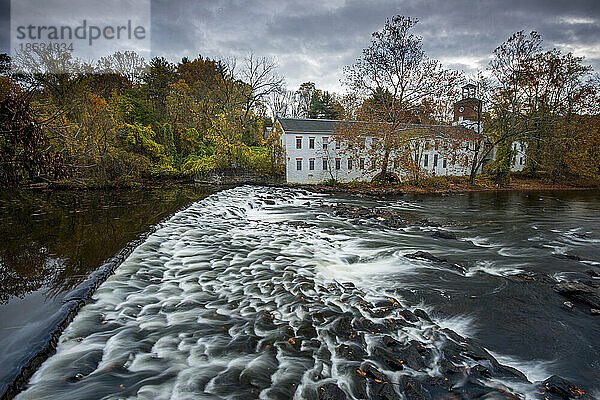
(258, 292)
(51, 242)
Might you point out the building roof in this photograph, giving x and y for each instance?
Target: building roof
(308, 125)
(329, 126)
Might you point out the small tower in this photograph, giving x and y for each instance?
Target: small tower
(467, 109)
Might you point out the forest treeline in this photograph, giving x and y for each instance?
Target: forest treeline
(123, 119)
(544, 101)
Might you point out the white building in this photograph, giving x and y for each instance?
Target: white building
(314, 156)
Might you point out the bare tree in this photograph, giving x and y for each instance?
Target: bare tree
(128, 64)
(260, 76)
(279, 103)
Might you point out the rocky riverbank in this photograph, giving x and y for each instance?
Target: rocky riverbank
(445, 185)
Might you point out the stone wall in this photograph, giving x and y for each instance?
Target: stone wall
(238, 176)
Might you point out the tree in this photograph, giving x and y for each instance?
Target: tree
(305, 93)
(536, 98)
(157, 81)
(259, 75)
(127, 64)
(325, 106)
(393, 77)
(4, 64)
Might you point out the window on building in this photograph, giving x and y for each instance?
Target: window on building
(521, 161)
(444, 165)
(426, 160)
(338, 163)
(435, 160)
(298, 164)
(325, 140)
(461, 109)
(361, 163)
(337, 144)
(298, 142)
(311, 164)
(349, 164)
(325, 164)
(311, 143)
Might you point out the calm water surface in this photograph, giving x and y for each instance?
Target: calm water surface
(50, 241)
(266, 293)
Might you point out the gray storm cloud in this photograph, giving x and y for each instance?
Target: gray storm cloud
(314, 40)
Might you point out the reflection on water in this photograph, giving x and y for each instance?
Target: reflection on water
(266, 293)
(50, 241)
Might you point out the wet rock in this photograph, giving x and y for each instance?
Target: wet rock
(383, 390)
(409, 316)
(388, 217)
(592, 273)
(380, 388)
(366, 325)
(330, 391)
(422, 314)
(562, 388)
(412, 355)
(568, 305)
(350, 285)
(351, 352)
(381, 312)
(342, 327)
(532, 277)
(423, 255)
(390, 303)
(580, 292)
(412, 389)
(444, 235)
(306, 330)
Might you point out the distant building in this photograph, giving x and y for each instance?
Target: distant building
(313, 156)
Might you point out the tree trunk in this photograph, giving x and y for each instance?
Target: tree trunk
(475, 163)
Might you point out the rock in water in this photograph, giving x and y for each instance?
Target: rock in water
(330, 391)
(443, 235)
(568, 305)
(581, 292)
(423, 255)
(563, 388)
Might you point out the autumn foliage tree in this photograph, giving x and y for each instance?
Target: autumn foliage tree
(395, 79)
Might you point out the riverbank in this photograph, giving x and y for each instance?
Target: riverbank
(446, 185)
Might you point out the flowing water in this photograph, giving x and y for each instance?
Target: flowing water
(268, 293)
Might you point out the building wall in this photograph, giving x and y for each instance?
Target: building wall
(520, 158)
(305, 154)
(318, 154)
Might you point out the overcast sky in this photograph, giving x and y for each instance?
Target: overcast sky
(312, 40)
